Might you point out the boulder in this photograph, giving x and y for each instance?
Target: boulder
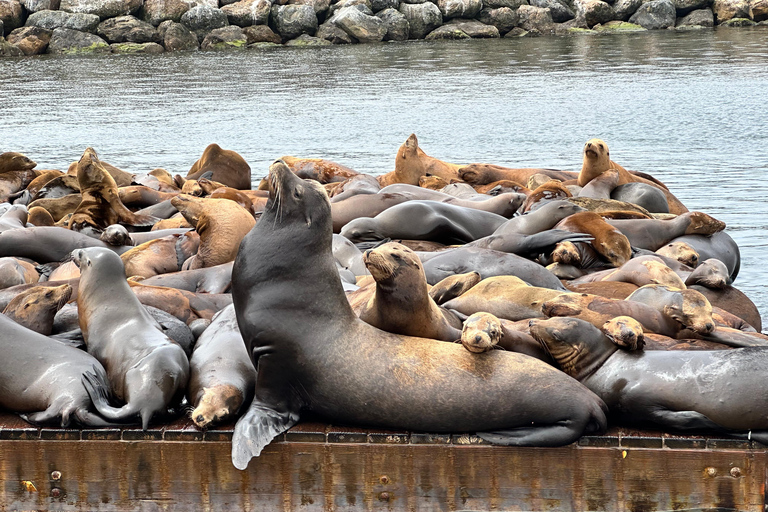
(31, 40)
(320, 6)
(248, 12)
(291, 21)
(127, 29)
(364, 28)
(260, 34)
(129, 48)
(7, 49)
(11, 15)
(446, 32)
(619, 26)
(655, 15)
(396, 24)
(2, 32)
(624, 9)
(738, 22)
(422, 19)
(459, 8)
(729, 9)
(330, 32)
(68, 41)
(363, 5)
(102, 8)
(683, 7)
(202, 19)
(475, 29)
(503, 18)
(559, 10)
(380, 5)
(413, 1)
(40, 5)
(497, 4)
(223, 38)
(177, 37)
(52, 20)
(307, 40)
(758, 10)
(594, 11)
(697, 18)
(158, 11)
(535, 18)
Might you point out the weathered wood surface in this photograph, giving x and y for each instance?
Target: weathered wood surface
(319, 467)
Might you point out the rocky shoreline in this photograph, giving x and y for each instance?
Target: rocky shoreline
(33, 27)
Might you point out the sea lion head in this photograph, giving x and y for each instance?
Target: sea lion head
(596, 154)
(566, 253)
(660, 273)
(472, 174)
(711, 273)
(106, 260)
(388, 261)
(688, 307)
(703, 224)
(433, 182)
(217, 404)
(682, 252)
(567, 304)
(481, 332)
(116, 235)
(91, 173)
(12, 161)
(293, 200)
(615, 247)
(362, 229)
(625, 332)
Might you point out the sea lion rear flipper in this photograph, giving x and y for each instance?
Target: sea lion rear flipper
(98, 389)
(683, 420)
(558, 434)
(256, 429)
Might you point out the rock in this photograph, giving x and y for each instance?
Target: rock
(624, 9)
(738, 22)
(31, 40)
(619, 26)
(459, 8)
(248, 12)
(578, 31)
(364, 28)
(729, 9)
(497, 4)
(320, 6)
(162, 27)
(60, 19)
(396, 24)
(158, 11)
(503, 18)
(594, 11)
(655, 15)
(202, 19)
(683, 7)
(422, 19)
(291, 21)
(363, 5)
(68, 41)
(127, 48)
(307, 40)
(413, 1)
(535, 18)
(261, 34)
(7, 49)
(558, 9)
(475, 29)
(102, 8)
(2, 29)
(698, 18)
(127, 29)
(179, 38)
(330, 32)
(11, 14)
(40, 5)
(758, 10)
(446, 32)
(380, 5)
(223, 38)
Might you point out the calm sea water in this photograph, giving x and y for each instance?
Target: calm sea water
(689, 108)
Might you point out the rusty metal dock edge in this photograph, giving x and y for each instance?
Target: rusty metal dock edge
(315, 466)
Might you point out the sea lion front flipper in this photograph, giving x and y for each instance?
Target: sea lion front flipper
(557, 434)
(684, 420)
(256, 429)
(735, 338)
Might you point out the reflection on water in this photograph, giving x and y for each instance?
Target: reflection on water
(686, 107)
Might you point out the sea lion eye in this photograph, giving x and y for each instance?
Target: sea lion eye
(297, 193)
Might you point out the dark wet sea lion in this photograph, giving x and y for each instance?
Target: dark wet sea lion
(653, 234)
(48, 243)
(453, 286)
(15, 217)
(642, 194)
(313, 353)
(600, 187)
(719, 246)
(216, 279)
(227, 166)
(36, 307)
(539, 220)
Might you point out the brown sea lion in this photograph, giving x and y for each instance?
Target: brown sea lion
(433, 182)
(14, 271)
(184, 305)
(161, 255)
(59, 207)
(411, 163)
(64, 272)
(501, 186)
(624, 332)
(653, 234)
(608, 289)
(59, 186)
(640, 271)
(612, 209)
(117, 235)
(227, 166)
(36, 307)
(360, 184)
(236, 196)
(453, 286)
(36, 184)
(12, 182)
(39, 216)
(318, 169)
(122, 178)
(483, 331)
(552, 190)
(734, 301)
(681, 252)
(11, 161)
(175, 222)
(608, 240)
(158, 179)
(483, 174)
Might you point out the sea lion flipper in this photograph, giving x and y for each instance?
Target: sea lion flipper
(558, 434)
(683, 420)
(256, 429)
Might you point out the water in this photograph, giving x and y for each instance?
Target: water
(689, 108)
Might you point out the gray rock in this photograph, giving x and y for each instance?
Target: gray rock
(320, 6)
(515, 32)
(158, 11)
(617, 26)
(624, 9)
(594, 11)
(30, 40)
(655, 15)
(223, 38)
(7, 49)
(363, 5)
(380, 5)
(162, 27)
(60, 19)
(131, 48)
(396, 24)
(68, 41)
(497, 4)
(248, 12)
(202, 19)
(291, 21)
(459, 8)
(475, 29)
(558, 9)
(503, 18)
(102, 8)
(2, 29)
(11, 14)
(364, 28)
(698, 18)
(422, 19)
(738, 22)
(127, 29)
(535, 18)
(40, 5)
(683, 7)
(261, 34)
(307, 40)
(446, 32)
(330, 32)
(729, 9)
(177, 37)
(413, 1)
(758, 10)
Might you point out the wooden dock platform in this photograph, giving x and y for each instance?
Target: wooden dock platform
(316, 467)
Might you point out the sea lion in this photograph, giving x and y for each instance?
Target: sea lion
(611, 209)
(433, 182)
(624, 332)
(122, 178)
(14, 271)
(482, 174)
(234, 195)
(642, 194)
(38, 216)
(116, 235)
(359, 184)
(608, 240)
(552, 190)
(411, 163)
(26, 195)
(499, 187)
(141, 196)
(158, 179)
(216, 279)
(681, 252)
(226, 166)
(46, 244)
(607, 289)
(318, 169)
(15, 217)
(42, 378)
(688, 307)
(734, 301)
(482, 332)
(100, 205)
(221, 374)
(529, 246)
(12, 182)
(711, 273)
(11, 161)
(160, 256)
(719, 246)
(653, 234)
(59, 207)
(313, 352)
(505, 205)
(539, 220)
(36, 307)
(453, 286)
(348, 255)
(639, 271)
(145, 369)
(57, 187)
(684, 390)
(600, 186)
(185, 305)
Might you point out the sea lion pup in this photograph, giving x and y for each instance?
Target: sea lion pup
(624, 332)
(653, 234)
(116, 235)
(227, 166)
(315, 354)
(539, 220)
(608, 240)
(221, 223)
(483, 174)
(600, 186)
(453, 286)
(145, 369)
(681, 389)
(425, 220)
(100, 205)
(42, 378)
(681, 252)
(160, 256)
(507, 297)
(221, 375)
(14, 271)
(38, 216)
(401, 303)
(529, 246)
(216, 279)
(552, 190)
(411, 163)
(11, 161)
(36, 307)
